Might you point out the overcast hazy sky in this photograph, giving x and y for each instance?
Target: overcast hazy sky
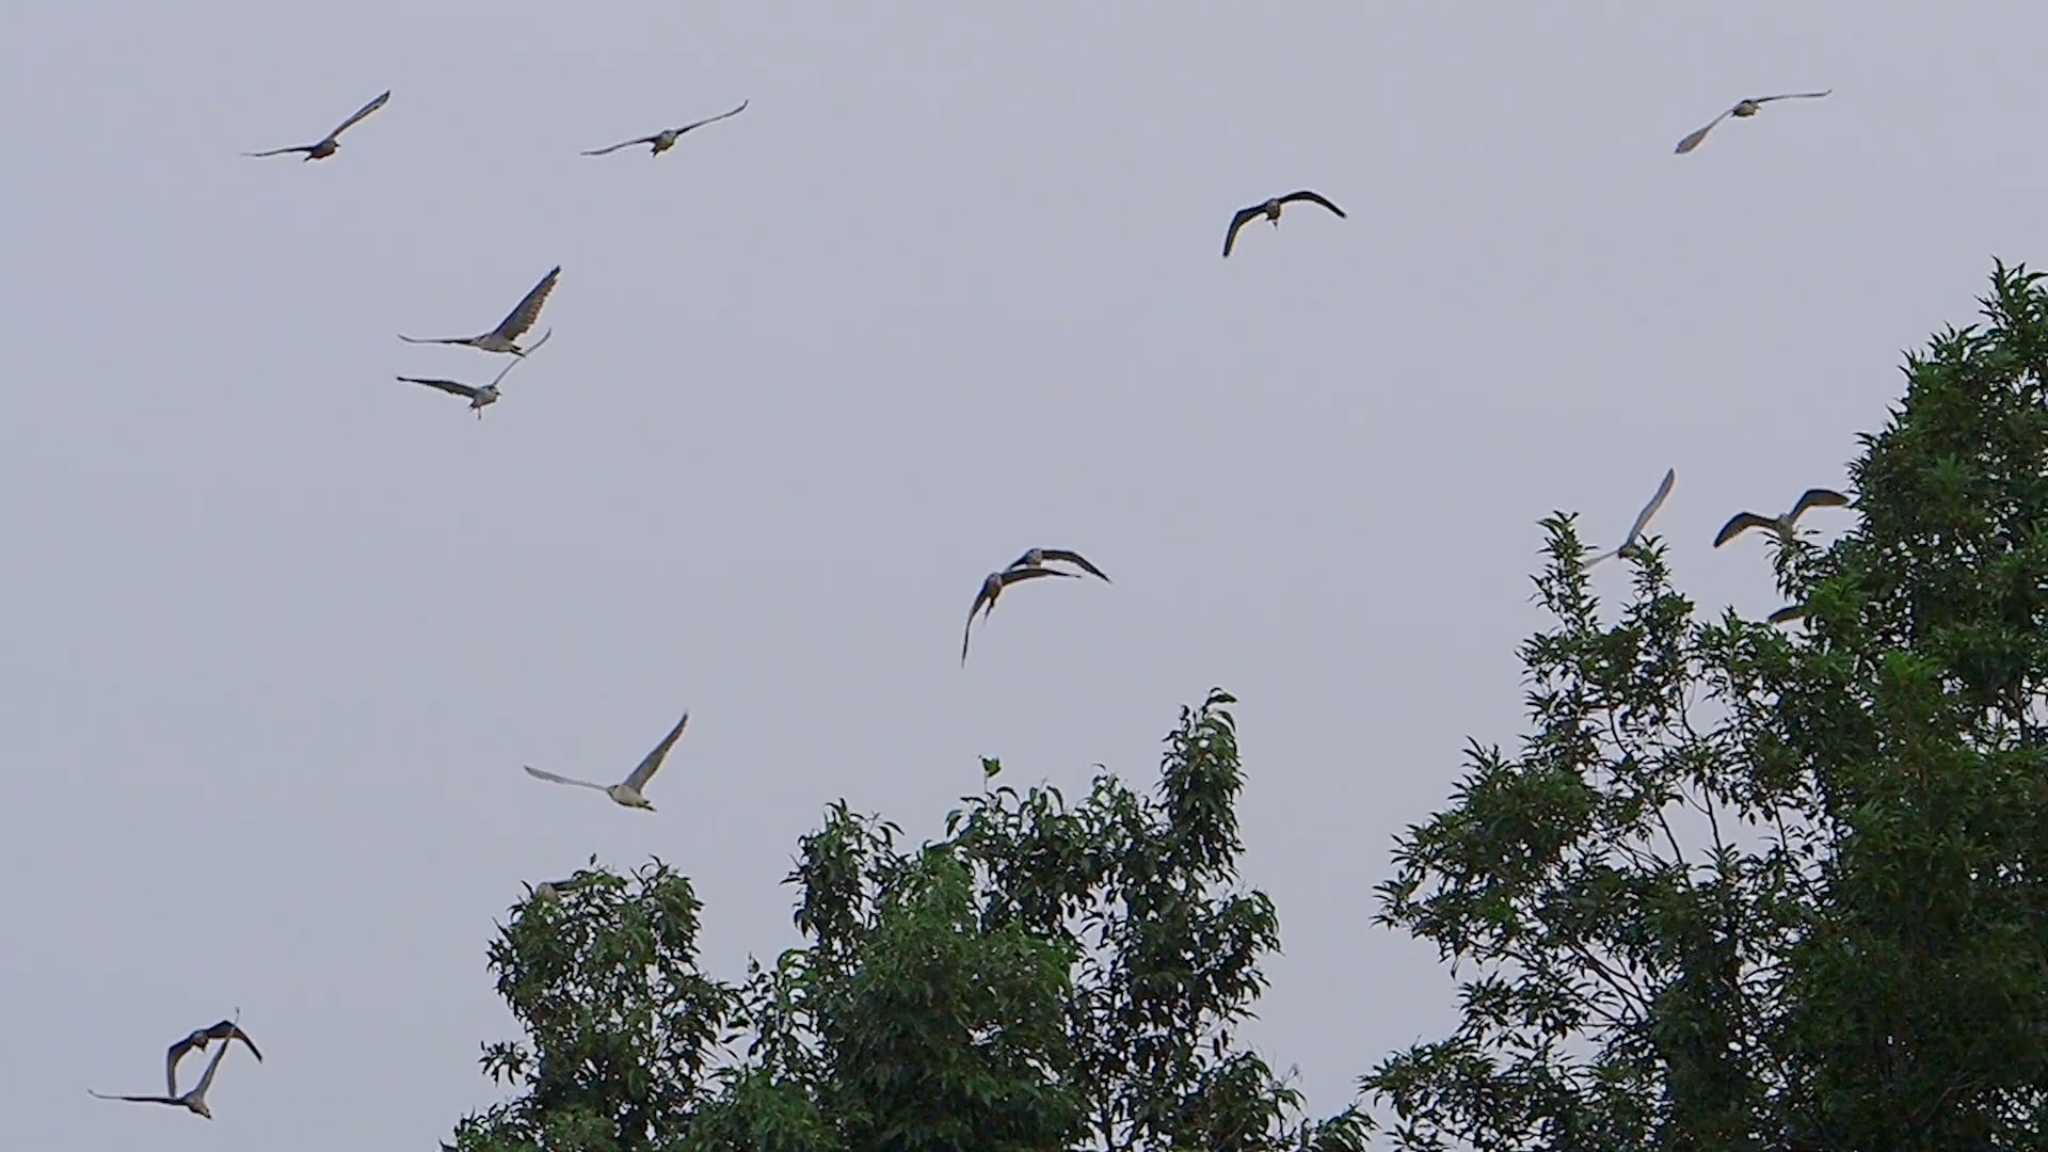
(281, 630)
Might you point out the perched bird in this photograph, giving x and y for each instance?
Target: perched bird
(667, 137)
(1037, 557)
(1642, 518)
(985, 600)
(1271, 211)
(328, 144)
(1742, 110)
(479, 398)
(227, 1032)
(628, 793)
(1811, 498)
(504, 338)
(194, 1100)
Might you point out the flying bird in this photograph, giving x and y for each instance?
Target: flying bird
(1811, 498)
(628, 793)
(194, 1100)
(1271, 211)
(326, 146)
(227, 1032)
(505, 337)
(1037, 557)
(1788, 614)
(479, 398)
(992, 587)
(1742, 110)
(667, 137)
(1642, 518)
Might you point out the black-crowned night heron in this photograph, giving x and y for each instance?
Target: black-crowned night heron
(505, 337)
(327, 145)
(630, 792)
(1271, 211)
(667, 137)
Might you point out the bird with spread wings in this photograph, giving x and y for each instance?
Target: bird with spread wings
(505, 337)
(1741, 110)
(329, 144)
(1271, 211)
(479, 398)
(631, 792)
(667, 137)
(1635, 530)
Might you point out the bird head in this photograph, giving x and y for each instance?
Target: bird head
(200, 1107)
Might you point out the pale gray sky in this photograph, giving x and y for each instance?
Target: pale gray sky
(282, 629)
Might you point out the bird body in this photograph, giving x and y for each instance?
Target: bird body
(666, 139)
(992, 587)
(1742, 110)
(329, 144)
(628, 793)
(1782, 525)
(479, 398)
(505, 337)
(1642, 518)
(1270, 210)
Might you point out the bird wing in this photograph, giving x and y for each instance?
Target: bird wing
(282, 151)
(981, 597)
(712, 119)
(365, 110)
(652, 762)
(624, 144)
(517, 321)
(1816, 498)
(1789, 612)
(137, 1099)
(228, 1030)
(436, 339)
(1650, 509)
(1311, 197)
(1789, 96)
(212, 1066)
(1243, 217)
(176, 1053)
(1739, 523)
(1692, 139)
(452, 387)
(1012, 575)
(551, 778)
(516, 361)
(1074, 558)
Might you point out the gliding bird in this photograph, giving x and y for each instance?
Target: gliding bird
(479, 398)
(1037, 557)
(1811, 498)
(629, 792)
(1742, 110)
(503, 338)
(227, 1032)
(1642, 518)
(1271, 211)
(327, 145)
(992, 587)
(666, 138)
(193, 1101)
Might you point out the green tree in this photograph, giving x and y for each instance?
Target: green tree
(1746, 888)
(1045, 976)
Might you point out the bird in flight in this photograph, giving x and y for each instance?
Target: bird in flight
(1642, 518)
(227, 1032)
(1037, 557)
(667, 137)
(1271, 211)
(479, 398)
(629, 792)
(1742, 110)
(193, 1100)
(1811, 498)
(1788, 614)
(992, 587)
(505, 337)
(327, 145)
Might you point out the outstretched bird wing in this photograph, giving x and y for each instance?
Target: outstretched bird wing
(1074, 558)
(551, 778)
(712, 119)
(1789, 612)
(623, 144)
(1789, 96)
(137, 1099)
(365, 110)
(452, 387)
(1816, 498)
(652, 762)
(1311, 197)
(176, 1053)
(275, 152)
(1692, 139)
(1244, 216)
(981, 596)
(206, 1078)
(228, 1030)
(522, 316)
(516, 361)
(1650, 509)
(1739, 523)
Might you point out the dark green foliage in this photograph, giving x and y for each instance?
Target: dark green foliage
(1045, 977)
(1747, 889)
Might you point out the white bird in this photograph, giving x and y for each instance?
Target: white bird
(629, 792)
(1811, 498)
(505, 337)
(1642, 519)
(1742, 110)
(193, 1101)
(479, 398)
(667, 137)
(329, 144)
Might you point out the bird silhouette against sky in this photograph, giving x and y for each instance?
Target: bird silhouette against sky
(1037, 557)
(192, 1101)
(667, 137)
(1271, 211)
(505, 337)
(1742, 110)
(992, 588)
(1635, 530)
(227, 1031)
(327, 145)
(479, 398)
(1782, 525)
(631, 792)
